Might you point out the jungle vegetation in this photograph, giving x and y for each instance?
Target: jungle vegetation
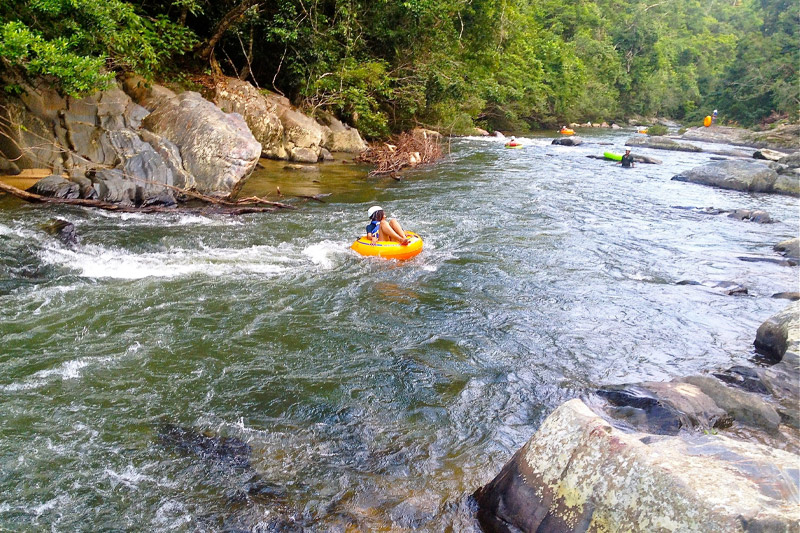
(387, 65)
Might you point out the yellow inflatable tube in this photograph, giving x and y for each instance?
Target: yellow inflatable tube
(389, 249)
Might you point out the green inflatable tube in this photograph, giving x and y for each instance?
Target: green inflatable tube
(612, 156)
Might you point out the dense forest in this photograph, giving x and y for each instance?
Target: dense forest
(386, 65)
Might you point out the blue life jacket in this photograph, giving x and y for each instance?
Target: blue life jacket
(372, 228)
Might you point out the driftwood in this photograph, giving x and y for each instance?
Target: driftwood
(221, 206)
(404, 150)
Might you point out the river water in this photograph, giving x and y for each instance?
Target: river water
(374, 395)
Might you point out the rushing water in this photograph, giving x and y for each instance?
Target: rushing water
(374, 395)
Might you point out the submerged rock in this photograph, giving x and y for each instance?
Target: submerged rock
(228, 451)
(779, 334)
(65, 231)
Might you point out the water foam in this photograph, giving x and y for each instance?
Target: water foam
(93, 261)
(321, 253)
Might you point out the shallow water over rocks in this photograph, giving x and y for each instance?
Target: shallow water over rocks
(370, 393)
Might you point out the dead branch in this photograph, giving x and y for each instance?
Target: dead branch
(404, 150)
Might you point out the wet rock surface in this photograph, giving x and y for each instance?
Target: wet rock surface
(65, 231)
(702, 453)
(741, 175)
(568, 141)
(662, 143)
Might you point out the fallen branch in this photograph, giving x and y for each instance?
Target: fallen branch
(404, 150)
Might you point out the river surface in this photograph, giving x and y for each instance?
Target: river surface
(374, 395)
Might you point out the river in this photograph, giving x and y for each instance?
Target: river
(374, 395)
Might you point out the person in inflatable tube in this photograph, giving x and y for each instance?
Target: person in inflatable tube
(627, 159)
(380, 229)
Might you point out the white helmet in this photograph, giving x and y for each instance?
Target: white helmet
(372, 210)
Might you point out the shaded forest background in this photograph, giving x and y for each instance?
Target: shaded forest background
(387, 65)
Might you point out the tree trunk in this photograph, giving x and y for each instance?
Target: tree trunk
(223, 25)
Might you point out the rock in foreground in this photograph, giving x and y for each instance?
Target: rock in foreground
(578, 473)
(700, 454)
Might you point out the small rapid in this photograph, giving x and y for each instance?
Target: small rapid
(371, 394)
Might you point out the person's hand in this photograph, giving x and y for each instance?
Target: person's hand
(405, 242)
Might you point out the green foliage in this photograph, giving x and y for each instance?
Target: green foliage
(387, 65)
(657, 129)
(78, 43)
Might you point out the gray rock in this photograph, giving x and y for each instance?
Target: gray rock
(325, 155)
(745, 407)
(787, 183)
(9, 168)
(304, 155)
(646, 159)
(793, 296)
(573, 140)
(746, 176)
(789, 248)
(792, 160)
(783, 382)
(768, 155)
(661, 143)
(343, 138)
(65, 231)
(217, 148)
(580, 474)
(56, 187)
(261, 114)
(780, 138)
(780, 333)
(753, 215)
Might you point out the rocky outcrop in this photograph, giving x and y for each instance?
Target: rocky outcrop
(749, 176)
(782, 137)
(661, 143)
(665, 456)
(236, 96)
(580, 473)
(102, 143)
(283, 131)
(218, 150)
(341, 137)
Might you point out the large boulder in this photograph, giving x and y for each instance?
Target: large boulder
(56, 187)
(341, 137)
(233, 95)
(218, 149)
(568, 141)
(579, 473)
(749, 176)
(661, 143)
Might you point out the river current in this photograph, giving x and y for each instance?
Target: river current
(374, 395)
